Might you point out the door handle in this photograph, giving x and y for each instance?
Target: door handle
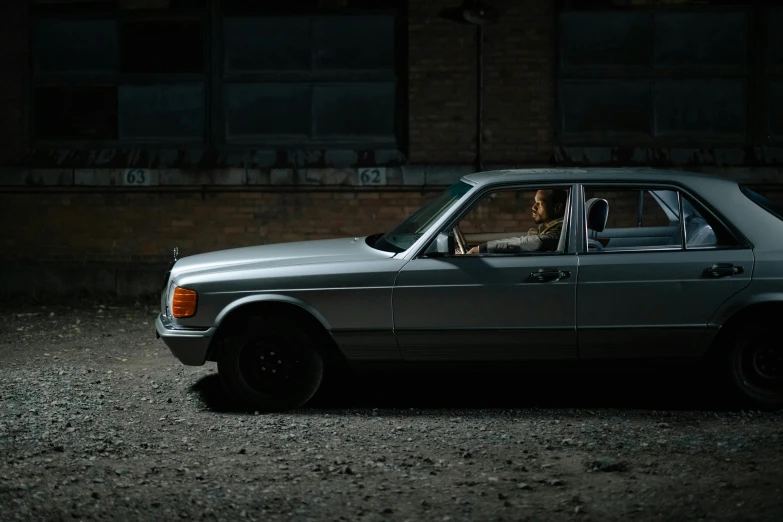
(722, 270)
(544, 276)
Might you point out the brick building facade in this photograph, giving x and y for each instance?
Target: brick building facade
(101, 204)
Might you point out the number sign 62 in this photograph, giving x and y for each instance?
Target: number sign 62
(372, 176)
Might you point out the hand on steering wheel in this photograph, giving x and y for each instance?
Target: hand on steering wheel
(462, 245)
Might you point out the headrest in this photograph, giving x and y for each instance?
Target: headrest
(597, 211)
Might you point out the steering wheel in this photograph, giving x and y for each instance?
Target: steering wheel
(461, 243)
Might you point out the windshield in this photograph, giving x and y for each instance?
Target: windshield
(406, 233)
(776, 209)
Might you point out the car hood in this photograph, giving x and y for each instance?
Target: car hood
(281, 254)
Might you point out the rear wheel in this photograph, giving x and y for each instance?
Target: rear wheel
(755, 366)
(273, 365)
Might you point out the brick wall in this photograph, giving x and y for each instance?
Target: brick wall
(56, 212)
(68, 242)
(518, 53)
(142, 227)
(441, 86)
(518, 84)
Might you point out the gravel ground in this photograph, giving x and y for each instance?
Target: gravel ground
(98, 421)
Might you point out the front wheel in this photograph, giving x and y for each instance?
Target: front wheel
(270, 367)
(755, 367)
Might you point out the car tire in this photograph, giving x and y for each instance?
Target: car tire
(754, 363)
(273, 365)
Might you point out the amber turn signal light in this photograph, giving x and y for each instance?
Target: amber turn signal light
(183, 303)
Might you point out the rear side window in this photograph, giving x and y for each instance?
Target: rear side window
(650, 218)
(774, 208)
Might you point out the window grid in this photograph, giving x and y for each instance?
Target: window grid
(130, 92)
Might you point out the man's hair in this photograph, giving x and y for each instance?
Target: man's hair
(558, 196)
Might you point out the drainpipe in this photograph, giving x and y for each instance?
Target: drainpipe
(479, 97)
(478, 13)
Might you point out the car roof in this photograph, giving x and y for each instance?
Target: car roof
(578, 175)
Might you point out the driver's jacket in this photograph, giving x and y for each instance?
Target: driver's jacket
(545, 238)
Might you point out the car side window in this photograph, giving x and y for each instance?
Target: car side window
(702, 229)
(650, 218)
(514, 221)
(622, 218)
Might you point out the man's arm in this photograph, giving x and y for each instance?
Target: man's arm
(547, 241)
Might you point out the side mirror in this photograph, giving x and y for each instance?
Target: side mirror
(439, 246)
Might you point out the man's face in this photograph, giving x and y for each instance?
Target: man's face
(542, 208)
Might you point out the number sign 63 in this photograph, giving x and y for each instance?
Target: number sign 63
(136, 177)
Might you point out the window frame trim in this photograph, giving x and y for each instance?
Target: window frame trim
(681, 219)
(742, 242)
(570, 248)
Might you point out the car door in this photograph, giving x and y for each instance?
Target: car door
(490, 307)
(655, 300)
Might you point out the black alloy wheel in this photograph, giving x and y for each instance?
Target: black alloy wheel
(757, 367)
(271, 367)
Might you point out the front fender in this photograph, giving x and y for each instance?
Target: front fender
(271, 298)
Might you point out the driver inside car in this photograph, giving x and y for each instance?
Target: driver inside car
(548, 211)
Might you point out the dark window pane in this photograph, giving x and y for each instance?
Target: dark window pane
(600, 39)
(255, 7)
(162, 46)
(374, 4)
(354, 110)
(75, 45)
(775, 40)
(305, 6)
(267, 44)
(701, 39)
(267, 110)
(603, 111)
(158, 6)
(76, 113)
(86, 7)
(774, 110)
(700, 109)
(353, 42)
(161, 111)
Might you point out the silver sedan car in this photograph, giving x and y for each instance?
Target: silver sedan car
(582, 266)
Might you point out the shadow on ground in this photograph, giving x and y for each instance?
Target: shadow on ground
(669, 390)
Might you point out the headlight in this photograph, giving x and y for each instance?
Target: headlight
(183, 302)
